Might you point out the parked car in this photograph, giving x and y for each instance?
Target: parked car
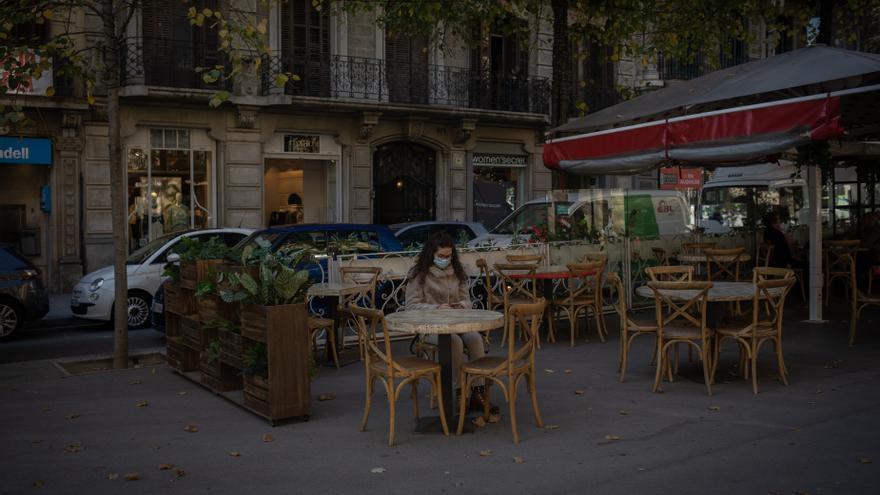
(157, 311)
(329, 239)
(413, 234)
(22, 294)
(93, 295)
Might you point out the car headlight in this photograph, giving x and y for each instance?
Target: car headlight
(96, 284)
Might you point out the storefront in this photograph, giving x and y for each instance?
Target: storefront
(497, 181)
(25, 202)
(170, 184)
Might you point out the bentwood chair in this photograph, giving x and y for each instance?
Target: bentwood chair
(316, 325)
(661, 256)
(680, 309)
(394, 372)
(519, 285)
(683, 273)
(696, 247)
(858, 299)
(519, 364)
(367, 277)
(584, 293)
(723, 264)
(631, 325)
(494, 299)
(529, 259)
(836, 264)
(752, 331)
(763, 254)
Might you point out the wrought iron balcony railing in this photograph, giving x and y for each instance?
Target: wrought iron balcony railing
(675, 68)
(592, 99)
(359, 78)
(168, 62)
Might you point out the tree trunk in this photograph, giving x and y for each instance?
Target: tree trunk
(561, 89)
(117, 183)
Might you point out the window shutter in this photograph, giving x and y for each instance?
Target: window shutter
(305, 46)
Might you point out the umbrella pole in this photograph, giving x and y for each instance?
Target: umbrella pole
(814, 275)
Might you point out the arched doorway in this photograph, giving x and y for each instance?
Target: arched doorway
(404, 177)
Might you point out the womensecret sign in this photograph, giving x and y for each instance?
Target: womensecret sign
(33, 151)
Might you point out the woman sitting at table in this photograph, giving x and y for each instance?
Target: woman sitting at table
(438, 281)
(783, 250)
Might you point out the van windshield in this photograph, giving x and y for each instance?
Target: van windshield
(746, 206)
(530, 215)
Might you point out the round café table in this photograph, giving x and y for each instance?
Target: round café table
(702, 258)
(719, 292)
(333, 292)
(444, 323)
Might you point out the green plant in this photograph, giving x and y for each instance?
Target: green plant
(221, 324)
(205, 288)
(280, 279)
(172, 270)
(213, 351)
(255, 361)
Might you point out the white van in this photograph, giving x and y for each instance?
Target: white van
(737, 197)
(596, 214)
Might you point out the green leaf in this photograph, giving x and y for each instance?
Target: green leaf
(281, 79)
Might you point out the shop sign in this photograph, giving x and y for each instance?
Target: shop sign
(681, 178)
(34, 151)
(499, 160)
(302, 143)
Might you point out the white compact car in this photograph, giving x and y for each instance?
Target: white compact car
(93, 295)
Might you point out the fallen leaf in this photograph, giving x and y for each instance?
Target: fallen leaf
(112, 476)
(38, 484)
(865, 460)
(142, 403)
(268, 438)
(165, 467)
(191, 428)
(324, 397)
(518, 460)
(551, 427)
(378, 470)
(549, 371)
(74, 447)
(135, 382)
(715, 408)
(72, 416)
(567, 372)
(181, 393)
(234, 454)
(485, 453)
(180, 473)
(153, 371)
(132, 476)
(578, 392)
(623, 413)
(612, 438)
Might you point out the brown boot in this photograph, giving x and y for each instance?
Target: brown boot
(478, 400)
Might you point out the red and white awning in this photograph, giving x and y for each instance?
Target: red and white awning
(736, 135)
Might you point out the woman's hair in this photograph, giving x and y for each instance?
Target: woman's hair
(770, 219)
(425, 260)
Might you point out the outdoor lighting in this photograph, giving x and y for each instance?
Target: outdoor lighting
(97, 284)
(399, 183)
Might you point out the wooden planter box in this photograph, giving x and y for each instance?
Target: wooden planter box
(284, 330)
(180, 357)
(193, 273)
(231, 349)
(209, 307)
(178, 300)
(256, 394)
(191, 331)
(218, 376)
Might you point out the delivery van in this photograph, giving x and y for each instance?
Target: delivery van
(594, 214)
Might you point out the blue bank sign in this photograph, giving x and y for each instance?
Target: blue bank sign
(34, 151)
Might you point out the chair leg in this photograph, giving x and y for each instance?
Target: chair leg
(661, 368)
(573, 324)
(704, 355)
(436, 388)
(465, 384)
(599, 327)
(533, 391)
(754, 363)
(331, 341)
(780, 361)
(392, 402)
(415, 398)
(621, 359)
(371, 381)
(511, 403)
(853, 322)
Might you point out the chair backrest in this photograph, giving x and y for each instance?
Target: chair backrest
(618, 302)
(761, 273)
(527, 317)
(368, 321)
(772, 293)
(486, 275)
(367, 276)
(723, 263)
(764, 254)
(585, 279)
(529, 259)
(661, 256)
(517, 280)
(683, 273)
(685, 303)
(836, 251)
(697, 247)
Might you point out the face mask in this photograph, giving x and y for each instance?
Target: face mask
(441, 263)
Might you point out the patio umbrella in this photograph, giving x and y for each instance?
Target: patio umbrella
(743, 114)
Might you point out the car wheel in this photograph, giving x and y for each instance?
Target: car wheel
(11, 319)
(138, 310)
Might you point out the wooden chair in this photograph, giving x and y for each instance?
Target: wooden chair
(518, 284)
(584, 293)
(494, 300)
(529, 259)
(316, 325)
(368, 278)
(684, 323)
(835, 265)
(763, 254)
(519, 363)
(682, 273)
(723, 263)
(631, 325)
(858, 299)
(661, 256)
(380, 363)
(752, 331)
(697, 247)
(763, 273)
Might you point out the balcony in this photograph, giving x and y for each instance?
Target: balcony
(673, 68)
(169, 63)
(368, 79)
(592, 99)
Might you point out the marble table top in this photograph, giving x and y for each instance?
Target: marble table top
(333, 289)
(701, 258)
(720, 292)
(440, 321)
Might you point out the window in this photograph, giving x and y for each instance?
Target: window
(305, 47)
(415, 236)
(306, 240)
(169, 185)
(362, 241)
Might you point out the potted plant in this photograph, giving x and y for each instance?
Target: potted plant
(229, 336)
(255, 369)
(214, 373)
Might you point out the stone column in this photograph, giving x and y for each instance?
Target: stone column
(67, 203)
(458, 184)
(243, 173)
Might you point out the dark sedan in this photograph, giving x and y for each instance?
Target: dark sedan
(22, 295)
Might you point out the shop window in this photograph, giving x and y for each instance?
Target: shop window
(495, 194)
(168, 186)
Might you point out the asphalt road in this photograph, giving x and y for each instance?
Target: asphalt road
(59, 338)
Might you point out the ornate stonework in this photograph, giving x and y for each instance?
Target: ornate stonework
(465, 131)
(246, 117)
(368, 125)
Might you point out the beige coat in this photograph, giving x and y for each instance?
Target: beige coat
(439, 287)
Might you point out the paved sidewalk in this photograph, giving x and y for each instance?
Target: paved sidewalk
(819, 435)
